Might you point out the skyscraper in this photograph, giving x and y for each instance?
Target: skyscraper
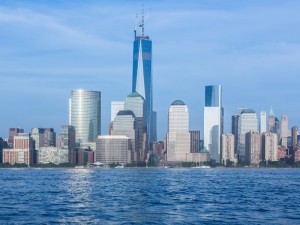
(142, 76)
(116, 106)
(195, 141)
(269, 146)
(247, 122)
(178, 137)
(235, 130)
(85, 114)
(284, 130)
(263, 122)
(271, 121)
(253, 148)
(227, 148)
(213, 121)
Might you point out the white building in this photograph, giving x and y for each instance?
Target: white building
(52, 155)
(213, 121)
(113, 149)
(247, 122)
(284, 130)
(116, 106)
(178, 137)
(263, 122)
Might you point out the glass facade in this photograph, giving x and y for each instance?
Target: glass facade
(142, 77)
(213, 96)
(85, 114)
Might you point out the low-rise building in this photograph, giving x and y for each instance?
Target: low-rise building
(52, 155)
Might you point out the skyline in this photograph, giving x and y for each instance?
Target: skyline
(54, 48)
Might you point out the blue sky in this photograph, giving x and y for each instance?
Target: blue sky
(48, 48)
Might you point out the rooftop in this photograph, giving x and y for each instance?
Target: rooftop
(178, 102)
(126, 113)
(135, 94)
(247, 111)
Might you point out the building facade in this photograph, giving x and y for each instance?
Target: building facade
(53, 155)
(13, 132)
(263, 122)
(178, 136)
(213, 121)
(85, 114)
(113, 149)
(253, 148)
(247, 122)
(116, 106)
(195, 141)
(235, 130)
(269, 147)
(228, 149)
(284, 130)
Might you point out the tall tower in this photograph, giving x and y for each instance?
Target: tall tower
(142, 76)
(213, 121)
(178, 137)
(284, 130)
(263, 122)
(85, 114)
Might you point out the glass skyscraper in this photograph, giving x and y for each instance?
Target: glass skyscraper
(142, 78)
(213, 121)
(85, 114)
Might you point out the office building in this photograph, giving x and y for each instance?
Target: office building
(142, 76)
(271, 121)
(247, 122)
(294, 133)
(213, 121)
(85, 114)
(178, 137)
(116, 106)
(195, 141)
(263, 122)
(66, 140)
(125, 124)
(113, 149)
(136, 103)
(253, 148)
(235, 130)
(284, 131)
(269, 147)
(3, 144)
(228, 149)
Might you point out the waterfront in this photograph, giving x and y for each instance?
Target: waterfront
(150, 196)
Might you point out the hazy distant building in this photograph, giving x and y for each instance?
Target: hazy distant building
(235, 130)
(195, 141)
(213, 121)
(113, 149)
(22, 153)
(50, 137)
(284, 131)
(85, 114)
(263, 122)
(3, 144)
(159, 149)
(294, 133)
(178, 136)
(271, 121)
(53, 155)
(227, 148)
(125, 123)
(13, 132)
(253, 148)
(247, 122)
(269, 147)
(116, 106)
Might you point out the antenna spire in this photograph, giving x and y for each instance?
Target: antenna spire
(142, 20)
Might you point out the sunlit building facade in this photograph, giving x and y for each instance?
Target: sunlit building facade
(85, 114)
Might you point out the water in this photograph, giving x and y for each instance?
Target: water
(150, 196)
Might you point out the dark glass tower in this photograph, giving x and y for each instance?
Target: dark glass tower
(142, 77)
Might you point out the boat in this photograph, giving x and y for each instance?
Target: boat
(201, 167)
(120, 167)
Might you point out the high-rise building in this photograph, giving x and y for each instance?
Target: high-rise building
(50, 137)
(116, 106)
(235, 130)
(195, 141)
(294, 133)
(85, 114)
(38, 137)
(3, 144)
(13, 132)
(227, 148)
(125, 124)
(247, 122)
(178, 137)
(67, 141)
(284, 130)
(136, 103)
(253, 148)
(113, 149)
(142, 76)
(271, 121)
(263, 122)
(213, 121)
(269, 147)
